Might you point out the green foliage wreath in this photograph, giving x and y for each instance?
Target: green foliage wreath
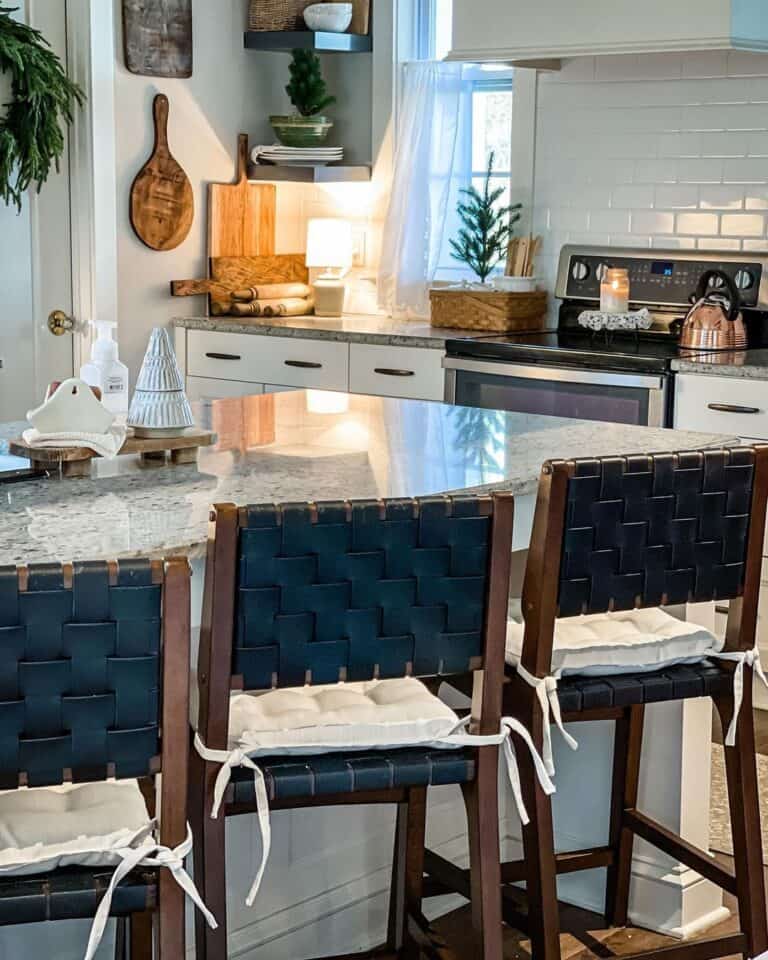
(32, 138)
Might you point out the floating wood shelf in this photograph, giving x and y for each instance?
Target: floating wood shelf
(289, 174)
(283, 41)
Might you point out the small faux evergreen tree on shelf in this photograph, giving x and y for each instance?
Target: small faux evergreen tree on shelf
(487, 227)
(307, 89)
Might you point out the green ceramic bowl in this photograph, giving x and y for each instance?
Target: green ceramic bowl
(298, 131)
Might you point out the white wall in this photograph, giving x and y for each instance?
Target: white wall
(653, 151)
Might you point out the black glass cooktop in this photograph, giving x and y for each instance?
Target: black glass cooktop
(605, 351)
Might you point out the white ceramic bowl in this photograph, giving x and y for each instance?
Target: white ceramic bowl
(515, 284)
(328, 17)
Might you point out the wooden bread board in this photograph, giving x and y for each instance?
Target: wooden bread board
(76, 461)
(235, 273)
(241, 215)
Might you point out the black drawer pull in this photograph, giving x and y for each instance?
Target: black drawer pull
(223, 356)
(732, 408)
(390, 372)
(303, 364)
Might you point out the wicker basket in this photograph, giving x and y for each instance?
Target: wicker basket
(266, 15)
(488, 310)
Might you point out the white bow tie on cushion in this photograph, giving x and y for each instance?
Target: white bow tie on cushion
(546, 692)
(147, 855)
(742, 658)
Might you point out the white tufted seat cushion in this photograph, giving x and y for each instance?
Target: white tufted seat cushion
(348, 716)
(632, 641)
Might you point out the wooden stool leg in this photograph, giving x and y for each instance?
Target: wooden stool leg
(141, 935)
(170, 916)
(195, 808)
(744, 804)
(627, 747)
(407, 869)
(121, 938)
(539, 851)
(213, 942)
(482, 802)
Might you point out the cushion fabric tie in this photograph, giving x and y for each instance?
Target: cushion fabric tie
(546, 692)
(239, 757)
(147, 854)
(742, 658)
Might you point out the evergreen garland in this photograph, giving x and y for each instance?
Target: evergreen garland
(483, 239)
(31, 136)
(307, 89)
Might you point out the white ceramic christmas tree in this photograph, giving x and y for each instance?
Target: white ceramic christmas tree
(159, 407)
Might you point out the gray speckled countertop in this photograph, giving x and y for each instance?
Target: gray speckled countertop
(351, 328)
(747, 364)
(275, 447)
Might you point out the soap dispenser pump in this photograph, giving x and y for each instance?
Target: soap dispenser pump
(105, 370)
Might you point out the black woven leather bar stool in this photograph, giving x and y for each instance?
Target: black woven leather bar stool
(338, 600)
(635, 533)
(94, 661)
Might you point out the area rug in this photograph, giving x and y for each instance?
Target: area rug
(719, 816)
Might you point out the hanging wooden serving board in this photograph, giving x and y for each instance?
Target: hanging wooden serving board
(162, 203)
(241, 215)
(157, 37)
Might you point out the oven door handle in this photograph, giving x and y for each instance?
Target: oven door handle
(553, 374)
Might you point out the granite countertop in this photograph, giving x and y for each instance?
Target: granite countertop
(277, 447)
(351, 328)
(747, 364)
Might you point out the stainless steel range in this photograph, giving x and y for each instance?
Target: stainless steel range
(621, 377)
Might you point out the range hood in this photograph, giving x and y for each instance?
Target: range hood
(549, 30)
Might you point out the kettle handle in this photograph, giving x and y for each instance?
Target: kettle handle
(734, 300)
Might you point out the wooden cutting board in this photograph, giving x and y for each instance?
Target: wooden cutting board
(241, 215)
(162, 203)
(157, 37)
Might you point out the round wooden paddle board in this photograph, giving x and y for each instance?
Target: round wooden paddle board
(162, 202)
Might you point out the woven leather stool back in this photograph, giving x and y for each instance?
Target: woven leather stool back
(80, 671)
(355, 591)
(654, 530)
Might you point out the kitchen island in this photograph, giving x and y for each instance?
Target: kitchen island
(329, 869)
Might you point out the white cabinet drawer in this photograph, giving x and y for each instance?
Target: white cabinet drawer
(292, 361)
(384, 371)
(722, 405)
(205, 388)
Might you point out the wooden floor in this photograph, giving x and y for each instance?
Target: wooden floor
(586, 937)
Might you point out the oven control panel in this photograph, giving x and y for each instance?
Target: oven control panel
(662, 281)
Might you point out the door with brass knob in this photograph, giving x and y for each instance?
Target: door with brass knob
(60, 323)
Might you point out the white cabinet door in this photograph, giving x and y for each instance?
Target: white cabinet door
(734, 405)
(206, 388)
(384, 371)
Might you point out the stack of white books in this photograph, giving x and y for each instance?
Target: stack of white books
(297, 156)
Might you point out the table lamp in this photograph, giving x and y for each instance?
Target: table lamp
(329, 247)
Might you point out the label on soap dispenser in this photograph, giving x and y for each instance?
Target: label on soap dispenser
(114, 385)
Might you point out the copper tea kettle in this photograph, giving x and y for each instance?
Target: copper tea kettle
(714, 322)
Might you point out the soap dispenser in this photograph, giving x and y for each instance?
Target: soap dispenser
(105, 370)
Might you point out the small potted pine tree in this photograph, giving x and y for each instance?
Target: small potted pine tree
(307, 127)
(482, 243)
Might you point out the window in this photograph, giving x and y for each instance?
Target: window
(490, 122)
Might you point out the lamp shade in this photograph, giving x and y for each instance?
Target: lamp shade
(329, 243)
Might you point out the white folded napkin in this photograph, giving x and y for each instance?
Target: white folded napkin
(106, 445)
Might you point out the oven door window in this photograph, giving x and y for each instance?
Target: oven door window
(554, 398)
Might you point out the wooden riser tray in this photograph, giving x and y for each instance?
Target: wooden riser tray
(76, 461)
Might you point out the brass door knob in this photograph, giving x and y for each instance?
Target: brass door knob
(59, 323)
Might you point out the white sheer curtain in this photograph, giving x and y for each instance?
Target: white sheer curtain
(432, 163)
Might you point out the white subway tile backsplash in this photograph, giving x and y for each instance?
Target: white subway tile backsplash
(676, 196)
(697, 223)
(660, 151)
(636, 195)
(742, 225)
(652, 221)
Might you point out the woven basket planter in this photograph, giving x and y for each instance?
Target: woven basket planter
(488, 310)
(266, 15)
